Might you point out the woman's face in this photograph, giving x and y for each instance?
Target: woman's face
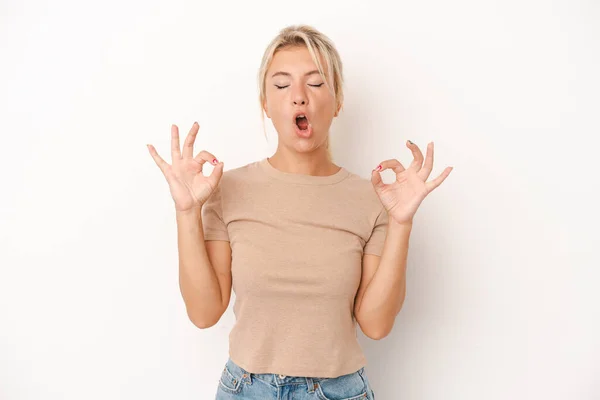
(294, 88)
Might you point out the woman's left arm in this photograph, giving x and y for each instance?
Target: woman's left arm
(383, 284)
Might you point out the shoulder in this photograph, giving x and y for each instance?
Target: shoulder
(362, 189)
(237, 177)
(240, 171)
(361, 197)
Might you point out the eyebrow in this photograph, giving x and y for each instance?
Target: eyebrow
(314, 71)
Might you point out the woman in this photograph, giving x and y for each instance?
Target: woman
(310, 248)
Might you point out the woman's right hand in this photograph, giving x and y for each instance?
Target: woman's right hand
(189, 187)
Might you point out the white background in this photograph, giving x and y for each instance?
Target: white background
(502, 300)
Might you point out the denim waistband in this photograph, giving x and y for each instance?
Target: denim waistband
(275, 379)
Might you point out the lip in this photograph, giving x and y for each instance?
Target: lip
(306, 133)
(301, 113)
(303, 133)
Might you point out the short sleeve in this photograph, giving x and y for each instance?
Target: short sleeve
(375, 243)
(212, 217)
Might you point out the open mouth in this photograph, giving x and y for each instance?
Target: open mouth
(302, 122)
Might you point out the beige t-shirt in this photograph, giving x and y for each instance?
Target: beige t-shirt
(297, 244)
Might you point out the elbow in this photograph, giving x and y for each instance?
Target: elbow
(376, 331)
(377, 328)
(203, 316)
(203, 321)
(377, 334)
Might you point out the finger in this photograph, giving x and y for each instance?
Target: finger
(175, 150)
(188, 146)
(392, 164)
(428, 166)
(162, 164)
(438, 181)
(205, 156)
(417, 154)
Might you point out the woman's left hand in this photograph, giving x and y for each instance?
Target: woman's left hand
(402, 197)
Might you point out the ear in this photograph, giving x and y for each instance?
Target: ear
(337, 111)
(266, 110)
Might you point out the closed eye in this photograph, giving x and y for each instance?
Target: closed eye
(283, 87)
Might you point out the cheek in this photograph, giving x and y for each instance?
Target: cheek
(276, 111)
(274, 103)
(326, 102)
(326, 110)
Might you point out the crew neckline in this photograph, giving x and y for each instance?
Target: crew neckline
(304, 179)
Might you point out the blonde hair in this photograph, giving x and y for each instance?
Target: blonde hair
(317, 44)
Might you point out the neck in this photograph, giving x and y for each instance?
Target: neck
(315, 164)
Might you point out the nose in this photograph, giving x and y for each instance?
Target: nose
(299, 97)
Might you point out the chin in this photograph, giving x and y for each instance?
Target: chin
(302, 145)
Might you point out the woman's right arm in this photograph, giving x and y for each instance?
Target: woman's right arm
(204, 271)
(204, 266)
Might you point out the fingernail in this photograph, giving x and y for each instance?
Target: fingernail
(378, 168)
(195, 122)
(214, 161)
(410, 142)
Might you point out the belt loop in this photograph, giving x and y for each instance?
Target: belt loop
(311, 385)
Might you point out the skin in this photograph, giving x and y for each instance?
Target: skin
(383, 285)
(205, 271)
(291, 86)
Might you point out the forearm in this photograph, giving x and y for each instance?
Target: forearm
(197, 278)
(384, 296)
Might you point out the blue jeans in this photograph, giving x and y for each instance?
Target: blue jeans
(238, 384)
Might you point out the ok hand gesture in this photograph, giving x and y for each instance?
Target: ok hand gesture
(402, 197)
(188, 185)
